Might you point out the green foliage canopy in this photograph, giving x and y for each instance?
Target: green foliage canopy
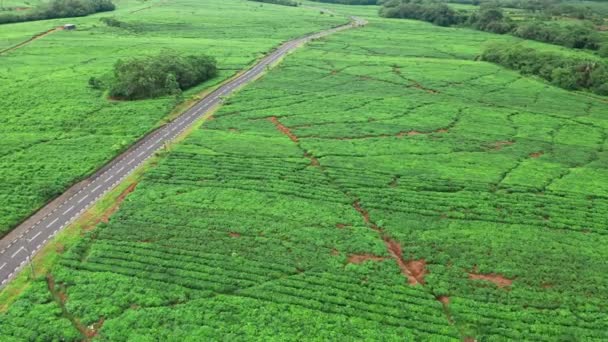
(165, 74)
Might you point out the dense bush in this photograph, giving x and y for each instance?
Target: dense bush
(572, 36)
(438, 14)
(279, 2)
(564, 71)
(60, 9)
(491, 18)
(164, 74)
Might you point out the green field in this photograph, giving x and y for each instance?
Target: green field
(56, 130)
(380, 184)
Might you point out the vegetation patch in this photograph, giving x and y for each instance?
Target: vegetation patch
(59, 9)
(167, 73)
(565, 71)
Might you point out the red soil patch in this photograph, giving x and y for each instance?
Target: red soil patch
(442, 130)
(341, 225)
(234, 235)
(547, 286)
(536, 154)
(361, 258)
(93, 329)
(335, 252)
(313, 161)
(365, 215)
(415, 270)
(497, 279)
(500, 144)
(445, 300)
(283, 129)
(105, 218)
(22, 9)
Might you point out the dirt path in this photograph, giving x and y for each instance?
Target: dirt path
(34, 38)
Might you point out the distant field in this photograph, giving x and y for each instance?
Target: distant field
(55, 129)
(378, 185)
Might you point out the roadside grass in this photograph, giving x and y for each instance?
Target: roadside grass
(48, 255)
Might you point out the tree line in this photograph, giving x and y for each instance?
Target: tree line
(59, 9)
(565, 71)
(492, 18)
(167, 73)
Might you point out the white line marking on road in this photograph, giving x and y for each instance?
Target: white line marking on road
(17, 252)
(119, 171)
(149, 147)
(99, 186)
(130, 161)
(35, 236)
(82, 199)
(52, 223)
(108, 179)
(1, 267)
(68, 210)
(141, 153)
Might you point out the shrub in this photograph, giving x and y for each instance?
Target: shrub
(165, 74)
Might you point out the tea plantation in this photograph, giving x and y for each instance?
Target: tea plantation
(380, 184)
(56, 130)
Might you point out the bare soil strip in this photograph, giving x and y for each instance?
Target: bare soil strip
(497, 279)
(34, 38)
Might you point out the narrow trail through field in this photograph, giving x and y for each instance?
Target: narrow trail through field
(413, 270)
(34, 38)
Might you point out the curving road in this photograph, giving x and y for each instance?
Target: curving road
(17, 248)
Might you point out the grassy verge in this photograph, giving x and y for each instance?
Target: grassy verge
(48, 255)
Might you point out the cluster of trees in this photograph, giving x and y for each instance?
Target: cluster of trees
(59, 9)
(436, 13)
(165, 74)
(279, 2)
(492, 18)
(572, 36)
(562, 70)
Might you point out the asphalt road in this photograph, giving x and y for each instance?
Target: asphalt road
(18, 251)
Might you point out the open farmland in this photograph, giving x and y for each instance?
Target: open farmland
(379, 184)
(56, 130)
